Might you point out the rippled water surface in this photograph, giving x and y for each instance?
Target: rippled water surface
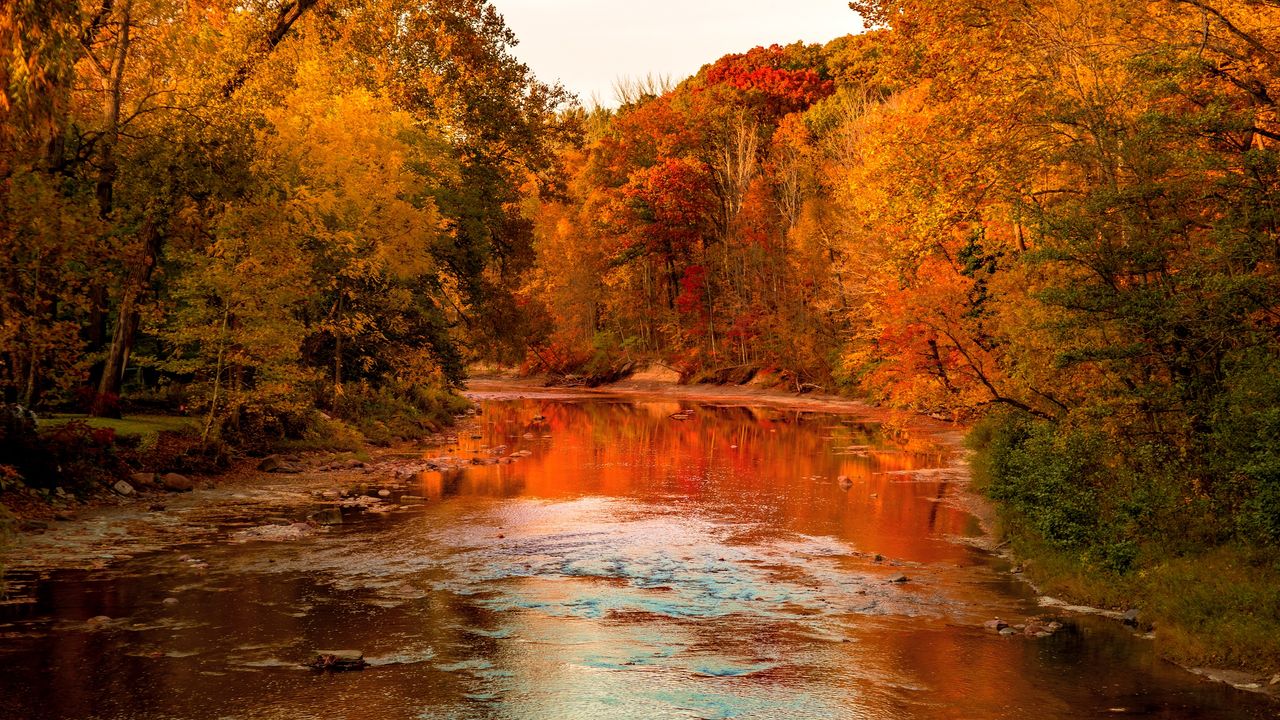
(634, 566)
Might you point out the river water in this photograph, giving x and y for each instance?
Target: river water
(633, 566)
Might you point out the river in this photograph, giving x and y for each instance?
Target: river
(635, 565)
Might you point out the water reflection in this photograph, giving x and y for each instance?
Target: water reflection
(726, 562)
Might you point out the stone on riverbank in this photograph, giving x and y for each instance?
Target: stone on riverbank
(277, 464)
(123, 488)
(173, 482)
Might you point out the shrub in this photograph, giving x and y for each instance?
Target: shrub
(75, 453)
(383, 414)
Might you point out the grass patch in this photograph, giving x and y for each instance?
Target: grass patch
(138, 425)
(146, 429)
(1220, 608)
(324, 434)
(1066, 575)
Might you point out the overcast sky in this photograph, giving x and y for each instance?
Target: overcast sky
(589, 44)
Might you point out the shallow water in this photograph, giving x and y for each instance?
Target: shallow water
(635, 566)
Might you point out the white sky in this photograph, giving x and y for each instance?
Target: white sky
(589, 44)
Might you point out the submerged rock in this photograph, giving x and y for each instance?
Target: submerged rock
(338, 660)
(277, 533)
(995, 625)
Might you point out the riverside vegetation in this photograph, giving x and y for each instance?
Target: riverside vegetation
(1057, 219)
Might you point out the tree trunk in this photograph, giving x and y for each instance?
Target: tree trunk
(108, 168)
(121, 342)
(128, 316)
(337, 354)
(217, 376)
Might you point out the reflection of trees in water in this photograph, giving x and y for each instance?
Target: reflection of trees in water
(770, 465)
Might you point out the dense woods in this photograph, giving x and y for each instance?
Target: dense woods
(252, 209)
(1056, 219)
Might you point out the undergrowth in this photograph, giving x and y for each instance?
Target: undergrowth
(1143, 528)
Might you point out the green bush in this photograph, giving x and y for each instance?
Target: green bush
(384, 414)
(1045, 482)
(1242, 458)
(1075, 491)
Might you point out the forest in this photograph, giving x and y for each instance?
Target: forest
(1054, 221)
(1059, 221)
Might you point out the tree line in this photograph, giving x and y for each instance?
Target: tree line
(249, 209)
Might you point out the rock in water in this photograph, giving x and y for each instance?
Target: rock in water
(338, 660)
(331, 516)
(270, 463)
(277, 464)
(899, 578)
(995, 625)
(173, 482)
(1131, 618)
(845, 482)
